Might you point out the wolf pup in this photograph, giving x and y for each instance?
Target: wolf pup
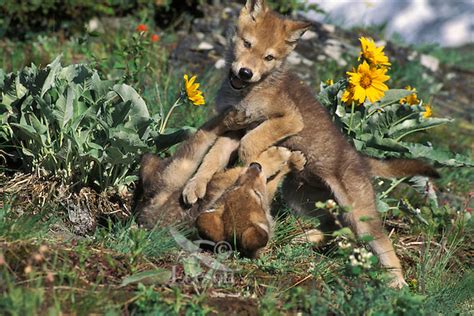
(241, 215)
(261, 91)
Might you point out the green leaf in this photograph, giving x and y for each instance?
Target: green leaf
(37, 125)
(139, 111)
(394, 95)
(28, 131)
(158, 276)
(54, 67)
(69, 107)
(167, 140)
(411, 125)
(382, 206)
(345, 231)
(192, 267)
(442, 157)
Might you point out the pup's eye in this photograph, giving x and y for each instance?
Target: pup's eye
(258, 194)
(269, 57)
(247, 44)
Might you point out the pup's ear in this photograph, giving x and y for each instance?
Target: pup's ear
(295, 30)
(253, 8)
(254, 238)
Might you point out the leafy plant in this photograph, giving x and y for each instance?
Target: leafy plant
(381, 129)
(68, 122)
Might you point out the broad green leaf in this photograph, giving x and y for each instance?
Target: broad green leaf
(442, 157)
(28, 131)
(382, 206)
(139, 111)
(54, 67)
(39, 127)
(158, 276)
(394, 95)
(20, 89)
(167, 140)
(411, 125)
(69, 106)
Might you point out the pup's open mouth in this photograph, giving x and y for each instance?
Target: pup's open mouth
(236, 82)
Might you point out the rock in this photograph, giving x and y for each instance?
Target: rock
(200, 36)
(296, 59)
(329, 28)
(412, 56)
(220, 63)
(82, 219)
(220, 39)
(333, 49)
(430, 62)
(93, 25)
(205, 46)
(451, 76)
(309, 35)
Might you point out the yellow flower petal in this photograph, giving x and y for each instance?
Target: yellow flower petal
(368, 82)
(192, 90)
(373, 54)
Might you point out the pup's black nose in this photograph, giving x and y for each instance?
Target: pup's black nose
(245, 74)
(256, 165)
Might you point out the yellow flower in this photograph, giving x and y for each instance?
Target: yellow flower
(192, 91)
(348, 95)
(368, 83)
(428, 112)
(373, 54)
(329, 82)
(412, 99)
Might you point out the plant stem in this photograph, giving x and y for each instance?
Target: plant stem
(350, 121)
(165, 122)
(414, 131)
(392, 187)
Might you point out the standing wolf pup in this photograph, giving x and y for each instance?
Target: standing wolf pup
(266, 99)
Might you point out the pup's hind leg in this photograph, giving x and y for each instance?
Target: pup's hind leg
(302, 197)
(354, 189)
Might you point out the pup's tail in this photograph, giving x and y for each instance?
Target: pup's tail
(398, 168)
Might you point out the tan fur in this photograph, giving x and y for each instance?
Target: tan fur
(157, 197)
(241, 215)
(271, 108)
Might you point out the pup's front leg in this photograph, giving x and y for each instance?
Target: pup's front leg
(267, 134)
(216, 160)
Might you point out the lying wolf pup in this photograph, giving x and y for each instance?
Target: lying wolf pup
(241, 215)
(269, 102)
(236, 206)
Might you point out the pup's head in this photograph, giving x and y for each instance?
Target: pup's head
(240, 216)
(253, 180)
(262, 42)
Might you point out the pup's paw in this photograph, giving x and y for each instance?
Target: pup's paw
(398, 282)
(277, 153)
(235, 120)
(274, 159)
(314, 236)
(194, 190)
(297, 160)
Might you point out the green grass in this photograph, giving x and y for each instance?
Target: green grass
(85, 274)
